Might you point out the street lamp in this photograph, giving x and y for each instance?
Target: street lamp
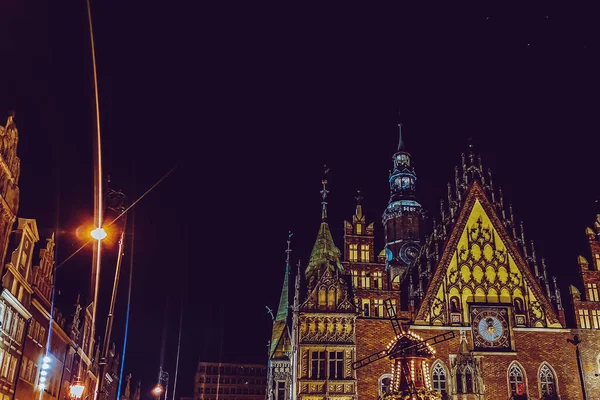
(76, 389)
(98, 233)
(158, 389)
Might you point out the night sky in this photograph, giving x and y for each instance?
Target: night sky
(249, 103)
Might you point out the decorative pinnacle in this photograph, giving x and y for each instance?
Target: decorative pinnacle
(288, 250)
(400, 142)
(324, 192)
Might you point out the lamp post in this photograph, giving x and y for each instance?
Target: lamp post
(115, 201)
(163, 378)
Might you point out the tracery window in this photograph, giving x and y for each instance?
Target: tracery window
(515, 380)
(438, 378)
(547, 380)
(366, 307)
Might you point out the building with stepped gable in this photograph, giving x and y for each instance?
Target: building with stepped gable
(468, 276)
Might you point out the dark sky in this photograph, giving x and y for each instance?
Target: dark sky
(250, 102)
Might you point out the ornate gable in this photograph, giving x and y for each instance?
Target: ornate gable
(481, 263)
(330, 293)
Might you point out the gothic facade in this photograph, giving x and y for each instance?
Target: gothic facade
(467, 283)
(42, 352)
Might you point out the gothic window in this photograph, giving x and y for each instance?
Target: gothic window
(355, 278)
(468, 381)
(359, 229)
(366, 280)
(364, 252)
(584, 319)
(385, 382)
(378, 307)
(353, 252)
(592, 292)
(366, 307)
(438, 378)
(280, 390)
(547, 381)
(595, 319)
(459, 382)
(317, 370)
(515, 380)
(597, 257)
(377, 280)
(336, 365)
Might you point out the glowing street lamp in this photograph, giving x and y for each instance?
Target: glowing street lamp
(76, 389)
(158, 389)
(98, 234)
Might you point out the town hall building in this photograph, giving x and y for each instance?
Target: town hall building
(462, 310)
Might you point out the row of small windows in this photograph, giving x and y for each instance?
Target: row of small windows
(589, 319)
(464, 382)
(367, 280)
(364, 252)
(232, 370)
(231, 380)
(377, 310)
(226, 390)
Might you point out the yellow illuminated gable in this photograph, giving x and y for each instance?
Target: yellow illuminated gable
(479, 267)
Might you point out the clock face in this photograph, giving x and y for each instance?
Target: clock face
(490, 328)
(409, 251)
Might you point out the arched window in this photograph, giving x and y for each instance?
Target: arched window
(516, 380)
(438, 378)
(547, 380)
(469, 381)
(385, 382)
(519, 309)
(459, 382)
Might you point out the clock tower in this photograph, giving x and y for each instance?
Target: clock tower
(402, 216)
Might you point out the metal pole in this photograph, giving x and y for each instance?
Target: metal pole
(109, 319)
(97, 186)
(178, 349)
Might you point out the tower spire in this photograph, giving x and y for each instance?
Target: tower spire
(324, 193)
(281, 318)
(400, 141)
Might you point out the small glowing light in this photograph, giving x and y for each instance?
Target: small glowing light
(46, 359)
(158, 389)
(42, 386)
(43, 373)
(76, 389)
(98, 234)
(45, 366)
(42, 379)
